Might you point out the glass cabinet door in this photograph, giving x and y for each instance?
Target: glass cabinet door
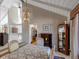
(63, 40)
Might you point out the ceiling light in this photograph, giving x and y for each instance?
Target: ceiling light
(26, 12)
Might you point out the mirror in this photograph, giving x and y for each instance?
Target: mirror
(61, 35)
(63, 39)
(33, 33)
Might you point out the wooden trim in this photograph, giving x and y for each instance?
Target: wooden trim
(4, 54)
(74, 12)
(67, 39)
(4, 49)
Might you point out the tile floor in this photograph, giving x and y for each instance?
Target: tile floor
(60, 55)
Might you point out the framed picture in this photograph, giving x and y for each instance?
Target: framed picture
(46, 27)
(14, 30)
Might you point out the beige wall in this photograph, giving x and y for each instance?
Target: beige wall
(40, 17)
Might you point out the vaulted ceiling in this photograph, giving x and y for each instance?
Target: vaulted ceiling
(63, 4)
(61, 7)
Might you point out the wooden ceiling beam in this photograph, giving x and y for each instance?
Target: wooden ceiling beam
(74, 12)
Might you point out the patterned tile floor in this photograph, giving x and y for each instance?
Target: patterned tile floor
(28, 52)
(55, 54)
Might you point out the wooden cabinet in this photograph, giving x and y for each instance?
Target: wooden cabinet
(3, 38)
(63, 39)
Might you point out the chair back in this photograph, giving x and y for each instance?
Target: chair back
(13, 45)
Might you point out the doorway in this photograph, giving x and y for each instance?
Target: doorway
(32, 32)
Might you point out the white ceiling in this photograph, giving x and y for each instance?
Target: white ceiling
(5, 5)
(1, 1)
(8, 3)
(36, 12)
(65, 4)
(61, 7)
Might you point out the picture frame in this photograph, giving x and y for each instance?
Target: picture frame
(14, 30)
(46, 27)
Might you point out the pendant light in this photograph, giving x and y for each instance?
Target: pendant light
(26, 12)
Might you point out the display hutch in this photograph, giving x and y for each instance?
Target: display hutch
(63, 38)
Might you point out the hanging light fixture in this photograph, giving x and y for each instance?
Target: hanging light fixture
(26, 12)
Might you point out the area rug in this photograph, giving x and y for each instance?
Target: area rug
(57, 57)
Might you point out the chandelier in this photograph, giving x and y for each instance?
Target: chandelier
(26, 12)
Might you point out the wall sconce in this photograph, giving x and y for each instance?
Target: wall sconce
(65, 22)
(46, 38)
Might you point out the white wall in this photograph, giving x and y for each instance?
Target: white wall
(40, 17)
(14, 17)
(14, 20)
(4, 21)
(74, 38)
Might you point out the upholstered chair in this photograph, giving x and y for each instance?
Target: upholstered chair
(13, 45)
